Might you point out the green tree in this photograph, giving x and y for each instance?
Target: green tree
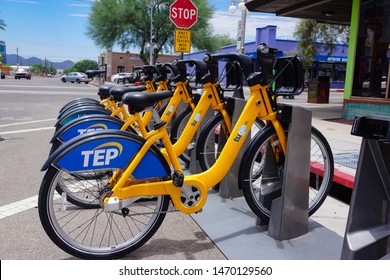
(37, 69)
(311, 34)
(40, 69)
(127, 23)
(2, 24)
(82, 66)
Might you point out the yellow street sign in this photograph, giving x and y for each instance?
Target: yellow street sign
(182, 40)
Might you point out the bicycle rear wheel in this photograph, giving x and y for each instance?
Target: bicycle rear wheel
(90, 232)
(261, 172)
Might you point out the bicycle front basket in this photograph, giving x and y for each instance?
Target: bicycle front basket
(288, 76)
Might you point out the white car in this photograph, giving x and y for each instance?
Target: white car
(77, 77)
(119, 78)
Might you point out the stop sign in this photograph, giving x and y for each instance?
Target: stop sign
(183, 13)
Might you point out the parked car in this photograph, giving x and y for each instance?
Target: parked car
(22, 73)
(124, 77)
(77, 77)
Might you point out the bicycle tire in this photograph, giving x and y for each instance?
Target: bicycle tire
(177, 128)
(208, 146)
(252, 173)
(91, 233)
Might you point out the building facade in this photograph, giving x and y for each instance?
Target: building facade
(333, 66)
(117, 62)
(3, 52)
(366, 88)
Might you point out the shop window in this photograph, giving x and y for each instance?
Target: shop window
(372, 53)
(335, 71)
(120, 69)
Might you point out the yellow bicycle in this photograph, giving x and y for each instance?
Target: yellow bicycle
(136, 180)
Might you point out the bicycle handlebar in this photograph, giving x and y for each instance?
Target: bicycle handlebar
(163, 68)
(201, 68)
(245, 62)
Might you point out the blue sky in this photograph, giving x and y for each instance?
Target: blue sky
(55, 29)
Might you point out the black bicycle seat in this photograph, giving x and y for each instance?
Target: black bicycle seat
(104, 91)
(139, 101)
(118, 92)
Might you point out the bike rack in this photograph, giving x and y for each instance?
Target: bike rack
(289, 212)
(228, 185)
(367, 234)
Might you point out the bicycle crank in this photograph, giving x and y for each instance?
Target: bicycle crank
(190, 197)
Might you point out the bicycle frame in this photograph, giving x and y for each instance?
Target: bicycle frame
(135, 121)
(210, 99)
(121, 111)
(125, 189)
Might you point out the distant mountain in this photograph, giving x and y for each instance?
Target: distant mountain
(12, 60)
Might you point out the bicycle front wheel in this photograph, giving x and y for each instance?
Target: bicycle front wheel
(178, 127)
(261, 172)
(90, 232)
(214, 136)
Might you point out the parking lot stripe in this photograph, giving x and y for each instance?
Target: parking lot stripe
(30, 122)
(19, 206)
(26, 130)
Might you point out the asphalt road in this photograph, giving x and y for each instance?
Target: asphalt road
(28, 110)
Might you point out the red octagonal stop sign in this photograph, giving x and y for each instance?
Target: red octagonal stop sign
(183, 13)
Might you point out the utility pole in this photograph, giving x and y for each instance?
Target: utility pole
(17, 57)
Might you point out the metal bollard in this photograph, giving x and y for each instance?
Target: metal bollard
(367, 235)
(289, 212)
(228, 187)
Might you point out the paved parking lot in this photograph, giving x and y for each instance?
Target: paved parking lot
(27, 114)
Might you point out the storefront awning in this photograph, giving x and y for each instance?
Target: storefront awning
(329, 11)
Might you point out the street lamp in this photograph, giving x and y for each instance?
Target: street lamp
(241, 23)
(151, 45)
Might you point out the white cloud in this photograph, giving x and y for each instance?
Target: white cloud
(25, 2)
(226, 23)
(79, 5)
(79, 15)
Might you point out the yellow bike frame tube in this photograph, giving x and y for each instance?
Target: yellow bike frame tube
(150, 86)
(120, 112)
(215, 174)
(193, 124)
(108, 103)
(162, 85)
(133, 163)
(171, 107)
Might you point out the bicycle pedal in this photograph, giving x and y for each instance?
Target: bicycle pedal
(178, 178)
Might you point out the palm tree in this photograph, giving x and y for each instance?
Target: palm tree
(2, 24)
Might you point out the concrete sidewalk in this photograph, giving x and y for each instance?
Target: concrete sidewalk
(226, 228)
(231, 225)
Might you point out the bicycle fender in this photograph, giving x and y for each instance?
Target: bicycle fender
(80, 112)
(108, 149)
(86, 124)
(78, 100)
(76, 105)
